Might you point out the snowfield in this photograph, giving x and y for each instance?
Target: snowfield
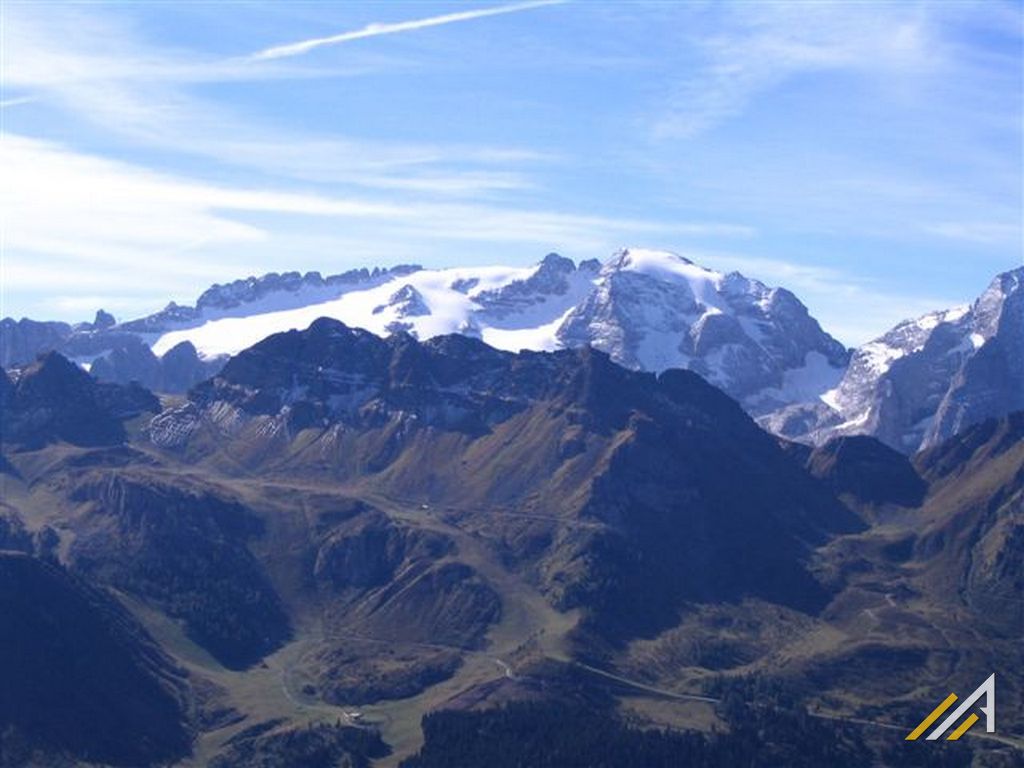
(648, 309)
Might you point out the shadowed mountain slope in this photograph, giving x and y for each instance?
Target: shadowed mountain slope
(80, 677)
(344, 530)
(666, 480)
(868, 470)
(972, 540)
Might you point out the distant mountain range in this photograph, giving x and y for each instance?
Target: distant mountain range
(649, 310)
(342, 533)
(926, 379)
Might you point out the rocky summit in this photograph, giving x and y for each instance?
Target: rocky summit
(926, 379)
(649, 310)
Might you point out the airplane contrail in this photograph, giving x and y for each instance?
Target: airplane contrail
(375, 29)
(17, 101)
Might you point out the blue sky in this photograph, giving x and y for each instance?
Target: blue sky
(868, 156)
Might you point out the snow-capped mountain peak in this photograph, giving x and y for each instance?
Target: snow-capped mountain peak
(659, 263)
(514, 302)
(925, 379)
(648, 309)
(655, 310)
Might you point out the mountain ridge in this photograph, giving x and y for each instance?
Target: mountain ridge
(927, 378)
(440, 522)
(650, 310)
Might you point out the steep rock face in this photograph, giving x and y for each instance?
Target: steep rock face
(22, 340)
(991, 382)
(182, 368)
(367, 550)
(896, 383)
(927, 378)
(971, 542)
(256, 295)
(81, 679)
(331, 375)
(868, 470)
(179, 369)
(53, 399)
(185, 549)
(406, 302)
(669, 481)
(555, 277)
(242, 292)
(653, 310)
(103, 320)
(134, 361)
(109, 352)
(13, 535)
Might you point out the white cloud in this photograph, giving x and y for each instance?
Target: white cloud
(754, 47)
(377, 29)
(980, 232)
(97, 222)
(76, 220)
(95, 198)
(80, 222)
(92, 68)
(17, 101)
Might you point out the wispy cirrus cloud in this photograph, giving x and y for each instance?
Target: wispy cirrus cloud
(108, 202)
(982, 232)
(17, 101)
(98, 72)
(755, 47)
(882, 137)
(123, 226)
(377, 29)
